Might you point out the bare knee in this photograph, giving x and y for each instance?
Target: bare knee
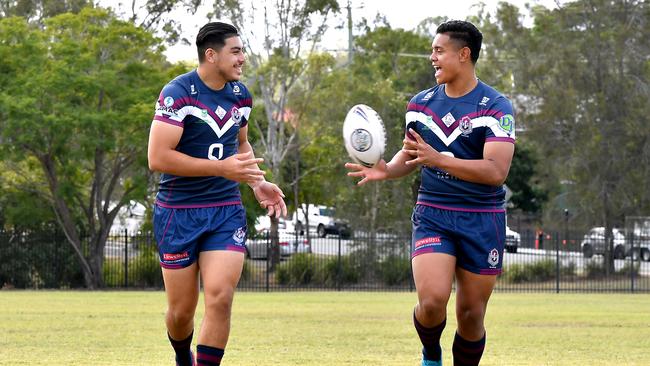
(180, 316)
(470, 315)
(432, 308)
(218, 302)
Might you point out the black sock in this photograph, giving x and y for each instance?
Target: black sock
(208, 356)
(467, 353)
(430, 338)
(183, 350)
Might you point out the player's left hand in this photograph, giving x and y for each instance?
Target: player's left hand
(422, 152)
(270, 197)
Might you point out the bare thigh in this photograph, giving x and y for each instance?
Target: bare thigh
(433, 274)
(220, 273)
(182, 290)
(472, 295)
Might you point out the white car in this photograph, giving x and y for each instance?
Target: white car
(513, 240)
(593, 242)
(322, 219)
(288, 242)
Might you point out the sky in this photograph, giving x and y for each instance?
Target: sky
(406, 14)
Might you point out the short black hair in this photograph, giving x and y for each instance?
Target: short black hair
(464, 33)
(213, 35)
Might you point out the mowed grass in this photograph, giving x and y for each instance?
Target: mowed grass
(321, 328)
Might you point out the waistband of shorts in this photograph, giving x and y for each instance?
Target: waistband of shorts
(199, 205)
(462, 209)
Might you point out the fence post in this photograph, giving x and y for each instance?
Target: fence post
(126, 258)
(338, 268)
(268, 257)
(631, 239)
(557, 264)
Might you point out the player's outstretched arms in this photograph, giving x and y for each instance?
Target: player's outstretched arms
(396, 168)
(163, 157)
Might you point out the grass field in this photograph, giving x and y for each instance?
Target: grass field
(321, 328)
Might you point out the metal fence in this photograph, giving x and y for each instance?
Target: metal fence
(554, 262)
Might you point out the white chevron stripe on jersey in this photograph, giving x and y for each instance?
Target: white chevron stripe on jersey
(484, 121)
(219, 131)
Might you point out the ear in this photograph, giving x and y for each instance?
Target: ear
(210, 55)
(465, 54)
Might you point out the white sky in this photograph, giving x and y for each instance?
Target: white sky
(405, 14)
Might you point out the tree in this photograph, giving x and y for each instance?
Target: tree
(291, 32)
(39, 10)
(584, 70)
(76, 102)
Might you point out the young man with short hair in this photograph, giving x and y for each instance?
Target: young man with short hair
(198, 141)
(461, 135)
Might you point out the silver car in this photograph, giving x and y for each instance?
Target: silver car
(258, 248)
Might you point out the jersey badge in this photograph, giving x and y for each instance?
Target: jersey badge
(236, 89)
(204, 113)
(428, 123)
(448, 119)
(427, 96)
(236, 115)
(493, 257)
(507, 123)
(220, 112)
(192, 89)
(484, 101)
(169, 101)
(465, 126)
(239, 235)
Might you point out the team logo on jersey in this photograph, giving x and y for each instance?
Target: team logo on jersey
(361, 140)
(236, 89)
(507, 123)
(427, 96)
(239, 235)
(428, 123)
(465, 126)
(192, 89)
(236, 115)
(493, 257)
(169, 101)
(484, 101)
(448, 119)
(204, 113)
(220, 112)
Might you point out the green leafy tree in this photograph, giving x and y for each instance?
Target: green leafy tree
(76, 101)
(583, 69)
(292, 30)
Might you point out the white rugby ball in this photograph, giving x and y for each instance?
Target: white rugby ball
(364, 135)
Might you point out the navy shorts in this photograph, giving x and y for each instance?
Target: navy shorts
(182, 233)
(476, 239)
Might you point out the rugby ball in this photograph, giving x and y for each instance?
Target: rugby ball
(364, 135)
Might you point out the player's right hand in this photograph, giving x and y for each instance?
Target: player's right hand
(242, 168)
(377, 172)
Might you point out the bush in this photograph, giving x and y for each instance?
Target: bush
(534, 272)
(395, 270)
(299, 270)
(143, 270)
(330, 275)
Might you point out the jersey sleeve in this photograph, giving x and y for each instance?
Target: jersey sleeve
(411, 118)
(245, 105)
(170, 103)
(501, 122)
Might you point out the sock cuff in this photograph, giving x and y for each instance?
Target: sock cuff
(206, 355)
(184, 343)
(422, 329)
(470, 345)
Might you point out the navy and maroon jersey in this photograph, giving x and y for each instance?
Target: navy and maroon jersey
(211, 120)
(460, 127)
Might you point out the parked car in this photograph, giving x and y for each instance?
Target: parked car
(322, 219)
(593, 242)
(513, 240)
(289, 244)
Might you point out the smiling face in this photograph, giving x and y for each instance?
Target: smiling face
(448, 58)
(228, 61)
